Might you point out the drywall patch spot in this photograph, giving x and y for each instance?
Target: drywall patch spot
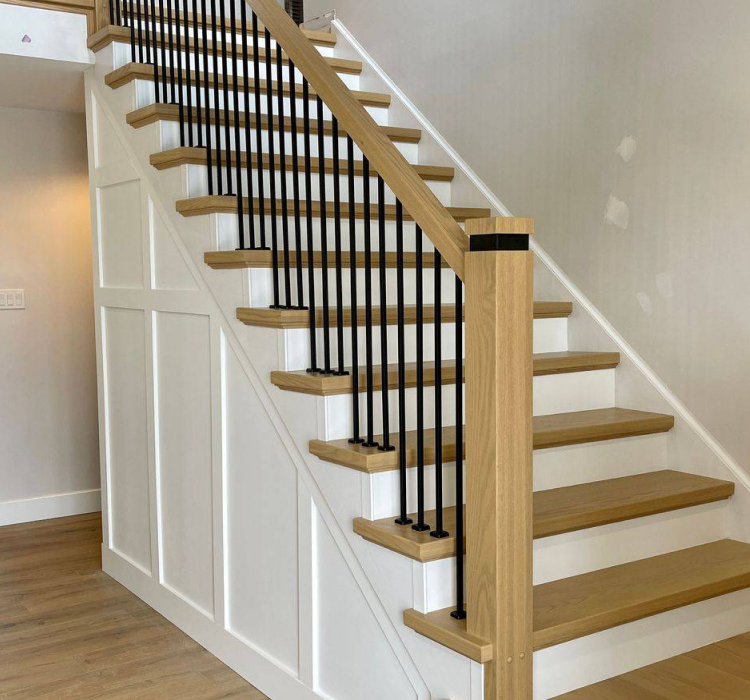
(664, 285)
(627, 148)
(645, 303)
(617, 213)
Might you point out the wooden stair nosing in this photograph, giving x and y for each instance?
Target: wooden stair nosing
(111, 33)
(223, 204)
(143, 71)
(583, 605)
(160, 111)
(562, 510)
(557, 430)
(295, 318)
(319, 384)
(186, 155)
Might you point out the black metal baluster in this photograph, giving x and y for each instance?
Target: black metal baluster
(420, 525)
(216, 109)
(340, 371)
(385, 446)
(111, 12)
(196, 60)
(309, 221)
(259, 134)
(130, 22)
(439, 531)
(369, 398)
(248, 123)
(295, 184)
(323, 240)
(154, 49)
(163, 42)
(180, 95)
(355, 438)
(459, 613)
(145, 11)
(282, 172)
(403, 518)
(207, 97)
(225, 93)
(139, 16)
(272, 169)
(188, 70)
(172, 62)
(236, 120)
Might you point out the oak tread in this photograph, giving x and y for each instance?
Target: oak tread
(555, 430)
(715, 672)
(223, 204)
(582, 605)
(562, 510)
(319, 384)
(240, 259)
(160, 111)
(294, 318)
(186, 155)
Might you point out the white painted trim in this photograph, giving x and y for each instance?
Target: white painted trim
(58, 505)
(581, 299)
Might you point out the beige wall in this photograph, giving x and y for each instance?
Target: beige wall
(547, 101)
(48, 410)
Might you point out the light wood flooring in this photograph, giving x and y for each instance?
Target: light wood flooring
(70, 632)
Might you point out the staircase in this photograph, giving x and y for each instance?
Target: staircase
(350, 265)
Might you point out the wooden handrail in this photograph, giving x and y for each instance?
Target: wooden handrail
(417, 198)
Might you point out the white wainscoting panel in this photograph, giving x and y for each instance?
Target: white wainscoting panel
(168, 267)
(183, 437)
(126, 431)
(121, 247)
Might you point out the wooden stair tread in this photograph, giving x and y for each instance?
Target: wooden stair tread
(715, 672)
(582, 605)
(294, 318)
(144, 71)
(555, 430)
(222, 204)
(319, 384)
(238, 259)
(186, 155)
(561, 510)
(105, 36)
(168, 112)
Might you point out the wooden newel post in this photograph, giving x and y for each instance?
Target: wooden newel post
(499, 443)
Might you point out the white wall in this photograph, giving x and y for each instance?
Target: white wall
(48, 410)
(555, 89)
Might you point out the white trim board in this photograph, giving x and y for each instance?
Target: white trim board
(580, 298)
(58, 505)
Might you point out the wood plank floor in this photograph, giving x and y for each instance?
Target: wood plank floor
(70, 632)
(717, 672)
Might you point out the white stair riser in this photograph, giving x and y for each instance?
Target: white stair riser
(296, 348)
(557, 393)
(170, 138)
(553, 468)
(582, 662)
(146, 95)
(197, 176)
(588, 550)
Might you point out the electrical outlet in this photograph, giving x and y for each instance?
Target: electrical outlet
(12, 299)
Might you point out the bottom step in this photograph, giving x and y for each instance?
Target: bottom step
(576, 607)
(717, 672)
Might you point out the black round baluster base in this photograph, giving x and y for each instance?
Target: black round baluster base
(370, 444)
(439, 534)
(356, 441)
(459, 614)
(420, 528)
(387, 448)
(403, 521)
(342, 373)
(314, 370)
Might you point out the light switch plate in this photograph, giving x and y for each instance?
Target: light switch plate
(12, 299)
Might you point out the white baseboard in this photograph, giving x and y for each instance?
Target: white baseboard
(45, 507)
(249, 662)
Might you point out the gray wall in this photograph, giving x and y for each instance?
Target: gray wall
(48, 409)
(547, 100)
